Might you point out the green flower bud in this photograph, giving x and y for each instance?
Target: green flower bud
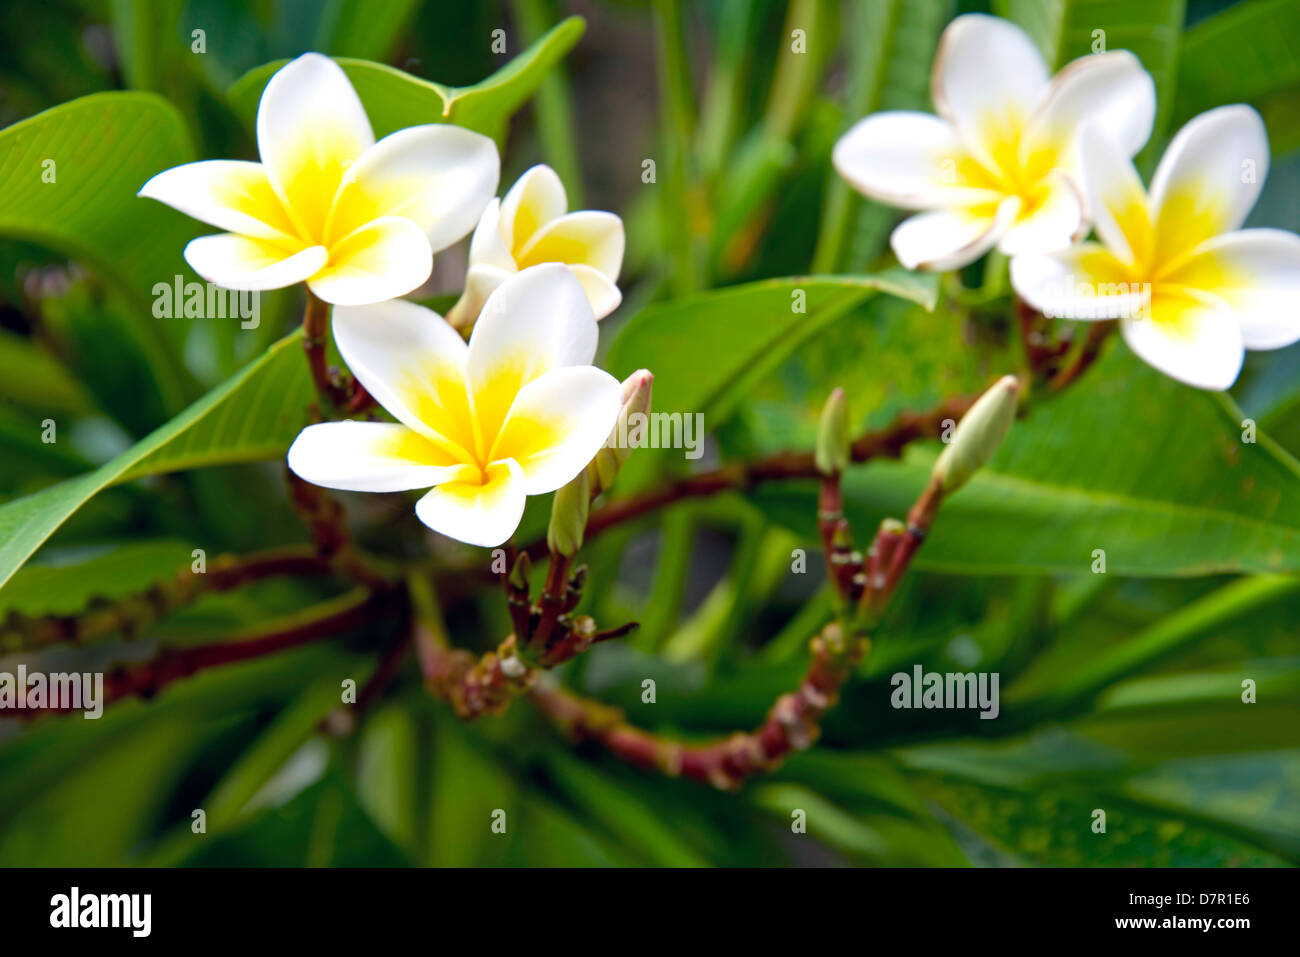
(978, 434)
(832, 454)
(604, 468)
(569, 516)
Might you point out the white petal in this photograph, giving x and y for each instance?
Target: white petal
(1257, 272)
(558, 423)
(950, 239)
(310, 128)
(1082, 282)
(1108, 89)
(911, 160)
(371, 457)
(480, 282)
(535, 321)
(1192, 338)
(230, 194)
(485, 514)
(1209, 178)
(237, 262)
(383, 259)
(536, 198)
(602, 293)
(1053, 225)
(1116, 200)
(413, 363)
(589, 237)
(988, 77)
(440, 176)
(487, 248)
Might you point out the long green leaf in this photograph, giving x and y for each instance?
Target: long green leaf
(1243, 54)
(69, 177)
(394, 99)
(252, 416)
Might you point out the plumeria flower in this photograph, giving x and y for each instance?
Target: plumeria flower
(518, 411)
(1192, 291)
(358, 221)
(998, 167)
(531, 226)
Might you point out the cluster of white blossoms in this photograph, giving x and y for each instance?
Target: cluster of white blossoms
(1026, 163)
(517, 411)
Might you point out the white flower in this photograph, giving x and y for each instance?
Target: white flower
(1191, 289)
(997, 166)
(518, 411)
(530, 226)
(359, 221)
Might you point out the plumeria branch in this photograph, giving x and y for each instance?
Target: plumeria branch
(130, 616)
(794, 721)
(146, 679)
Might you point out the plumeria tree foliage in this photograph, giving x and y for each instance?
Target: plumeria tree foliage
(488, 525)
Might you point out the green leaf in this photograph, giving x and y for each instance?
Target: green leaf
(99, 150)
(708, 351)
(361, 29)
(1059, 679)
(115, 573)
(395, 100)
(254, 415)
(1067, 29)
(1152, 472)
(1243, 54)
(34, 379)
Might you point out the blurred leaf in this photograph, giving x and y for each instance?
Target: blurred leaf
(99, 150)
(635, 823)
(1056, 679)
(128, 569)
(738, 335)
(31, 377)
(468, 788)
(394, 100)
(1171, 489)
(1248, 52)
(254, 415)
(361, 29)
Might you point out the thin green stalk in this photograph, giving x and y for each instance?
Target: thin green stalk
(553, 106)
(676, 120)
(869, 25)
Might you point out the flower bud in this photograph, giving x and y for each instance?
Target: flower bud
(569, 516)
(832, 454)
(609, 460)
(978, 434)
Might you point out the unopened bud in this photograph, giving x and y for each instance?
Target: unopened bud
(519, 574)
(978, 434)
(569, 516)
(832, 454)
(605, 466)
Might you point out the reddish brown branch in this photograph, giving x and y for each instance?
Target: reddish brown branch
(342, 721)
(315, 343)
(1086, 356)
(146, 679)
(131, 615)
(793, 723)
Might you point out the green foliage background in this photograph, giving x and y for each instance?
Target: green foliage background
(1121, 691)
